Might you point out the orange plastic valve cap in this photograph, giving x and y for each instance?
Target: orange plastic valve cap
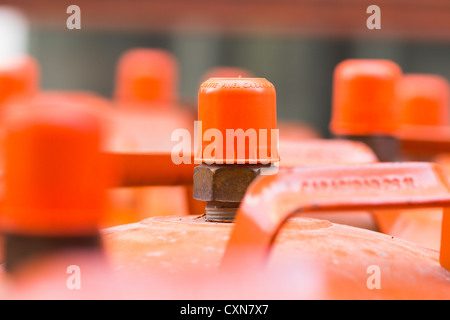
(237, 121)
(364, 97)
(147, 76)
(423, 100)
(19, 78)
(55, 175)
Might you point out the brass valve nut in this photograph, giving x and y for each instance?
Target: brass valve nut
(223, 183)
(223, 187)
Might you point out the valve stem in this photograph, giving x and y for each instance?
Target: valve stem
(216, 211)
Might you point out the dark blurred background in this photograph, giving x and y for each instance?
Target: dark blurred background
(294, 44)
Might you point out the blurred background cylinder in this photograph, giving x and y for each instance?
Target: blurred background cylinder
(423, 100)
(55, 177)
(147, 76)
(364, 97)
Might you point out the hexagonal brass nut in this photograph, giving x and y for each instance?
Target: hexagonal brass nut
(226, 182)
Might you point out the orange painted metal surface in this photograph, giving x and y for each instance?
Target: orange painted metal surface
(421, 226)
(334, 257)
(299, 258)
(374, 186)
(321, 152)
(263, 237)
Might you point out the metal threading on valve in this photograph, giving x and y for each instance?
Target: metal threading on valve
(221, 211)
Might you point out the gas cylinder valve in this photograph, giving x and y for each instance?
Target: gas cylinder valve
(238, 117)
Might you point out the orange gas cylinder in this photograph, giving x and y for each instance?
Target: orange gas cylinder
(385, 221)
(140, 169)
(343, 262)
(423, 102)
(374, 103)
(189, 257)
(364, 107)
(52, 206)
(146, 117)
(177, 244)
(232, 104)
(267, 253)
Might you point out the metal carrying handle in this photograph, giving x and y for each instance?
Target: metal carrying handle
(271, 200)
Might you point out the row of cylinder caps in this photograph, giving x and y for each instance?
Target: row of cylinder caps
(89, 187)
